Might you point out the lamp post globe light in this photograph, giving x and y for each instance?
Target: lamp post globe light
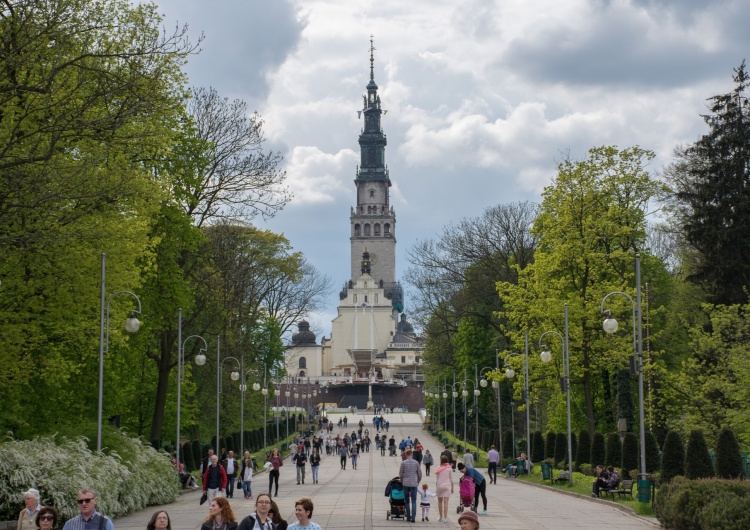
(496, 388)
(546, 356)
(132, 325)
(200, 360)
(610, 326)
(510, 373)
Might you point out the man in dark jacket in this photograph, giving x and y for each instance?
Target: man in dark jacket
(214, 479)
(300, 458)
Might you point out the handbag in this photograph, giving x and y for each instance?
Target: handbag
(239, 483)
(204, 497)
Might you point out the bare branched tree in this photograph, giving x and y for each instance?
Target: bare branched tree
(238, 180)
(459, 270)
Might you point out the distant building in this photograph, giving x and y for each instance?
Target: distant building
(371, 342)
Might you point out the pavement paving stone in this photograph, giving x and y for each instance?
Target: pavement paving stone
(355, 498)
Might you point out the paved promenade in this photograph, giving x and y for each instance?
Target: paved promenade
(355, 498)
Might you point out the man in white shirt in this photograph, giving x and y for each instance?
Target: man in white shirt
(230, 467)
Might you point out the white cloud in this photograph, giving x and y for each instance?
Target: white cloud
(317, 177)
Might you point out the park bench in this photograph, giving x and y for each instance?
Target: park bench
(563, 476)
(625, 488)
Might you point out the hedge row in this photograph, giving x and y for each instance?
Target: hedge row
(714, 504)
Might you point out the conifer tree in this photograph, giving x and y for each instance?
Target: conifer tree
(712, 183)
(598, 452)
(549, 446)
(672, 457)
(728, 457)
(652, 453)
(537, 448)
(629, 453)
(614, 450)
(697, 458)
(561, 448)
(583, 455)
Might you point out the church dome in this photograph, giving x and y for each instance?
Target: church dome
(304, 335)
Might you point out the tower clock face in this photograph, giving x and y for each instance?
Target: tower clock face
(373, 258)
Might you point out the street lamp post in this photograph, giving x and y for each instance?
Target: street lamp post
(510, 374)
(131, 326)
(200, 360)
(453, 404)
(610, 326)
(546, 357)
(496, 388)
(287, 393)
(180, 363)
(476, 409)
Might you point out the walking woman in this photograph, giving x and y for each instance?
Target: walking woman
(260, 518)
(46, 519)
(427, 460)
(315, 464)
(273, 475)
(443, 487)
(246, 475)
(220, 516)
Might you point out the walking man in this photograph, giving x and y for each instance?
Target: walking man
(301, 460)
(493, 457)
(89, 517)
(214, 479)
(410, 474)
(343, 453)
(230, 466)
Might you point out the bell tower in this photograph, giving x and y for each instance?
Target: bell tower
(373, 221)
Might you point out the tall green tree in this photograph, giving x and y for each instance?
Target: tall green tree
(591, 223)
(91, 92)
(711, 179)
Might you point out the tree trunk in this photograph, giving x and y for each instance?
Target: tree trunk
(164, 364)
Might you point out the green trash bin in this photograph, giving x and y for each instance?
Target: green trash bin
(644, 490)
(546, 471)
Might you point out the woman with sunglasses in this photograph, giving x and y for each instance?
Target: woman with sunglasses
(159, 521)
(259, 520)
(46, 518)
(220, 516)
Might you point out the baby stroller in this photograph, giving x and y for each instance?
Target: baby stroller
(466, 492)
(395, 493)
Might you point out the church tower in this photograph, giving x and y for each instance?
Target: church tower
(373, 221)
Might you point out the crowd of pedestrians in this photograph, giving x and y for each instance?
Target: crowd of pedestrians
(221, 476)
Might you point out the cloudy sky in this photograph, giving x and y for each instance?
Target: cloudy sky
(483, 96)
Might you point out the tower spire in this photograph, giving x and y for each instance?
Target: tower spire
(372, 59)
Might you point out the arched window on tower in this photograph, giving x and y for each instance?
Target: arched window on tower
(356, 230)
(372, 193)
(302, 363)
(367, 230)
(376, 229)
(372, 156)
(387, 228)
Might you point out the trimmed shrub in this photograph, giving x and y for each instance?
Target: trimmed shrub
(537, 447)
(597, 449)
(672, 457)
(561, 448)
(583, 454)
(697, 458)
(197, 454)
(508, 448)
(549, 445)
(652, 454)
(574, 446)
(729, 463)
(186, 456)
(613, 456)
(630, 453)
(707, 503)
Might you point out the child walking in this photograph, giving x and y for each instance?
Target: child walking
(424, 501)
